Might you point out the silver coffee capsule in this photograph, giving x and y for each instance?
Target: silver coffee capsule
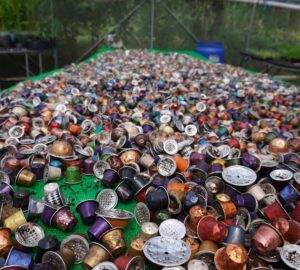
(197, 265)
(107, 199)
(170, 147)
(190, 130)
(78, 244)
(141, 213)
(281, 175)
(29, 234)
(165, 251)
(172, 228)
(16, 132)
(105, 266)
(290, 255)
(238, 175)
(35, 208)
(99, 167)
(166, 166)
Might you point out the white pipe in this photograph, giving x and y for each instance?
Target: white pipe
(270, 3)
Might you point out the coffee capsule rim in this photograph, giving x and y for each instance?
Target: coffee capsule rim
(36, 226)
(285, 248)
(26, 141)
(273, 257)
(57, 256)
(139, 206)
(46, 139)
(57, 210)
(288, 177)
(179, 229)
(84, 201)
(107, 266)
(10, 267)
(76, 237)
(113, 196)
(171, 243)
(109, 214)
(135, 259)
(12, 129)
(226, 175)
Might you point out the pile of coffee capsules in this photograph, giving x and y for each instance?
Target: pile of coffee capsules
(209, 153)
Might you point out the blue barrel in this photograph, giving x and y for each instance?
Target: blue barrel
(212, 50)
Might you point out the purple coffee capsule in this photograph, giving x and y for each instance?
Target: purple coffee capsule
(196, 158)
(6, 188)
(110, 177)
(38, 170)
(88, 165)
(48, 213)
(138, 182)
(87, 209)
(247, 201)
(99, 227)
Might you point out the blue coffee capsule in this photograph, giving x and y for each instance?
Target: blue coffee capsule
(157, 199)
(190, 199)
(288, 194)
(236, 234)
(16, 257)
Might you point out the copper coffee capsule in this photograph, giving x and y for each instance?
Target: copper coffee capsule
(232, 257)
(113, 240)
(5, 241)
(97, 254)
(25, 178)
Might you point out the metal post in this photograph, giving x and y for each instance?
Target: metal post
(40, 62)
(55, 58)
(181, 23)
(250, 25)
(27, 64)
(111, 30)
(152, 24)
